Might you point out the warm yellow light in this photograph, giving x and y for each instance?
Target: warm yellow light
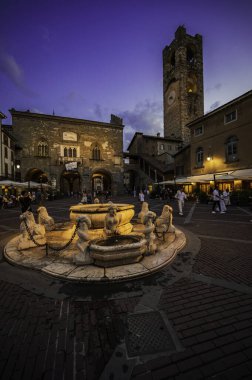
(209, 158)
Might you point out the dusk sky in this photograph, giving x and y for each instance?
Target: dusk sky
(90, 58)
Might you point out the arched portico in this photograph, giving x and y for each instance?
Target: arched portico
(101, 181)
(36, 175)
(70, 182)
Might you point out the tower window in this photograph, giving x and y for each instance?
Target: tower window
(190, 56)
(199, 157)
(231, 116)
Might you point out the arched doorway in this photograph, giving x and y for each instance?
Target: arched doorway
(101, 182)
(36, 175)
(70, 182)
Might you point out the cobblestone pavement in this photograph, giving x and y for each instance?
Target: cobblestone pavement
(192, 320)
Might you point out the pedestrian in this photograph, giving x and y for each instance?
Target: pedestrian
(84, 198)
(25, 201)
(226, 196)
(223, 208)
(141, 196)
(180, 196)
(216, 199)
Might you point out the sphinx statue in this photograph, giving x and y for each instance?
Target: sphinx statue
(83, 256)
(164, 221)
(45, 219)
(148, 231)
(36, 232)
(143, 212)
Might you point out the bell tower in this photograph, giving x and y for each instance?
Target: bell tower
(182, 84)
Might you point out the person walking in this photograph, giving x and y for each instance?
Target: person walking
(181, 196)
(141, 196)
(25, 201)
(226, 196)
(223, 207)
(216, 199)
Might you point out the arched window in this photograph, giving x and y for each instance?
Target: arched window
(190, 56)
(199, 157)
(43, 149)
(65, 152)
(232, 148)
(70, 152)
(96, 153)
(74, 152)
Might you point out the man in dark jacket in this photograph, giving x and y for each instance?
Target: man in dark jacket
(25, 201)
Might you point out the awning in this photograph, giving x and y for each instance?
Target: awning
(245, 174)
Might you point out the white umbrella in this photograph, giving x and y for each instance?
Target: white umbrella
(31, 184)
(7, 182)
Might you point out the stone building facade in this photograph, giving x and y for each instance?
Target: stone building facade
(221, 142)
(183, 95)
(150, 160)
(7, 151)
(70, 154)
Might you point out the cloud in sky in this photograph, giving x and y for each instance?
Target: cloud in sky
(214, 105)
(216, 87)
(13, 71)
(146, 117)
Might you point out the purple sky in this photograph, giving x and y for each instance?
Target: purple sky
(90, 58)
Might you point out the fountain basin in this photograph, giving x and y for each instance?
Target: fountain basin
(117, 250)
(98, 212)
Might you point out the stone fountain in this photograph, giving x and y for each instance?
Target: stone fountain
(101, 242)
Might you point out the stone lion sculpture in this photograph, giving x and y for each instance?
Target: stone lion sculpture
(164, 221)
(45, 219)
(83, 256)
(148, 222)
(143, 212)
(37, 232)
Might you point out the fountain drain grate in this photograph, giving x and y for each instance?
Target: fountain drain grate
(147, 334)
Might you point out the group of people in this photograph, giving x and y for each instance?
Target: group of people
(25, 200)
(220, 200)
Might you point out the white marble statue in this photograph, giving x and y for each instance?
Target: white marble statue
(45, 219)
(37, 231)
(111, 222)
(83, 256)
(164, 221)
(148, 222)
(143, 212)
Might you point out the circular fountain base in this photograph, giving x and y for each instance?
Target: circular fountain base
(117, 250)
(62, 266)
